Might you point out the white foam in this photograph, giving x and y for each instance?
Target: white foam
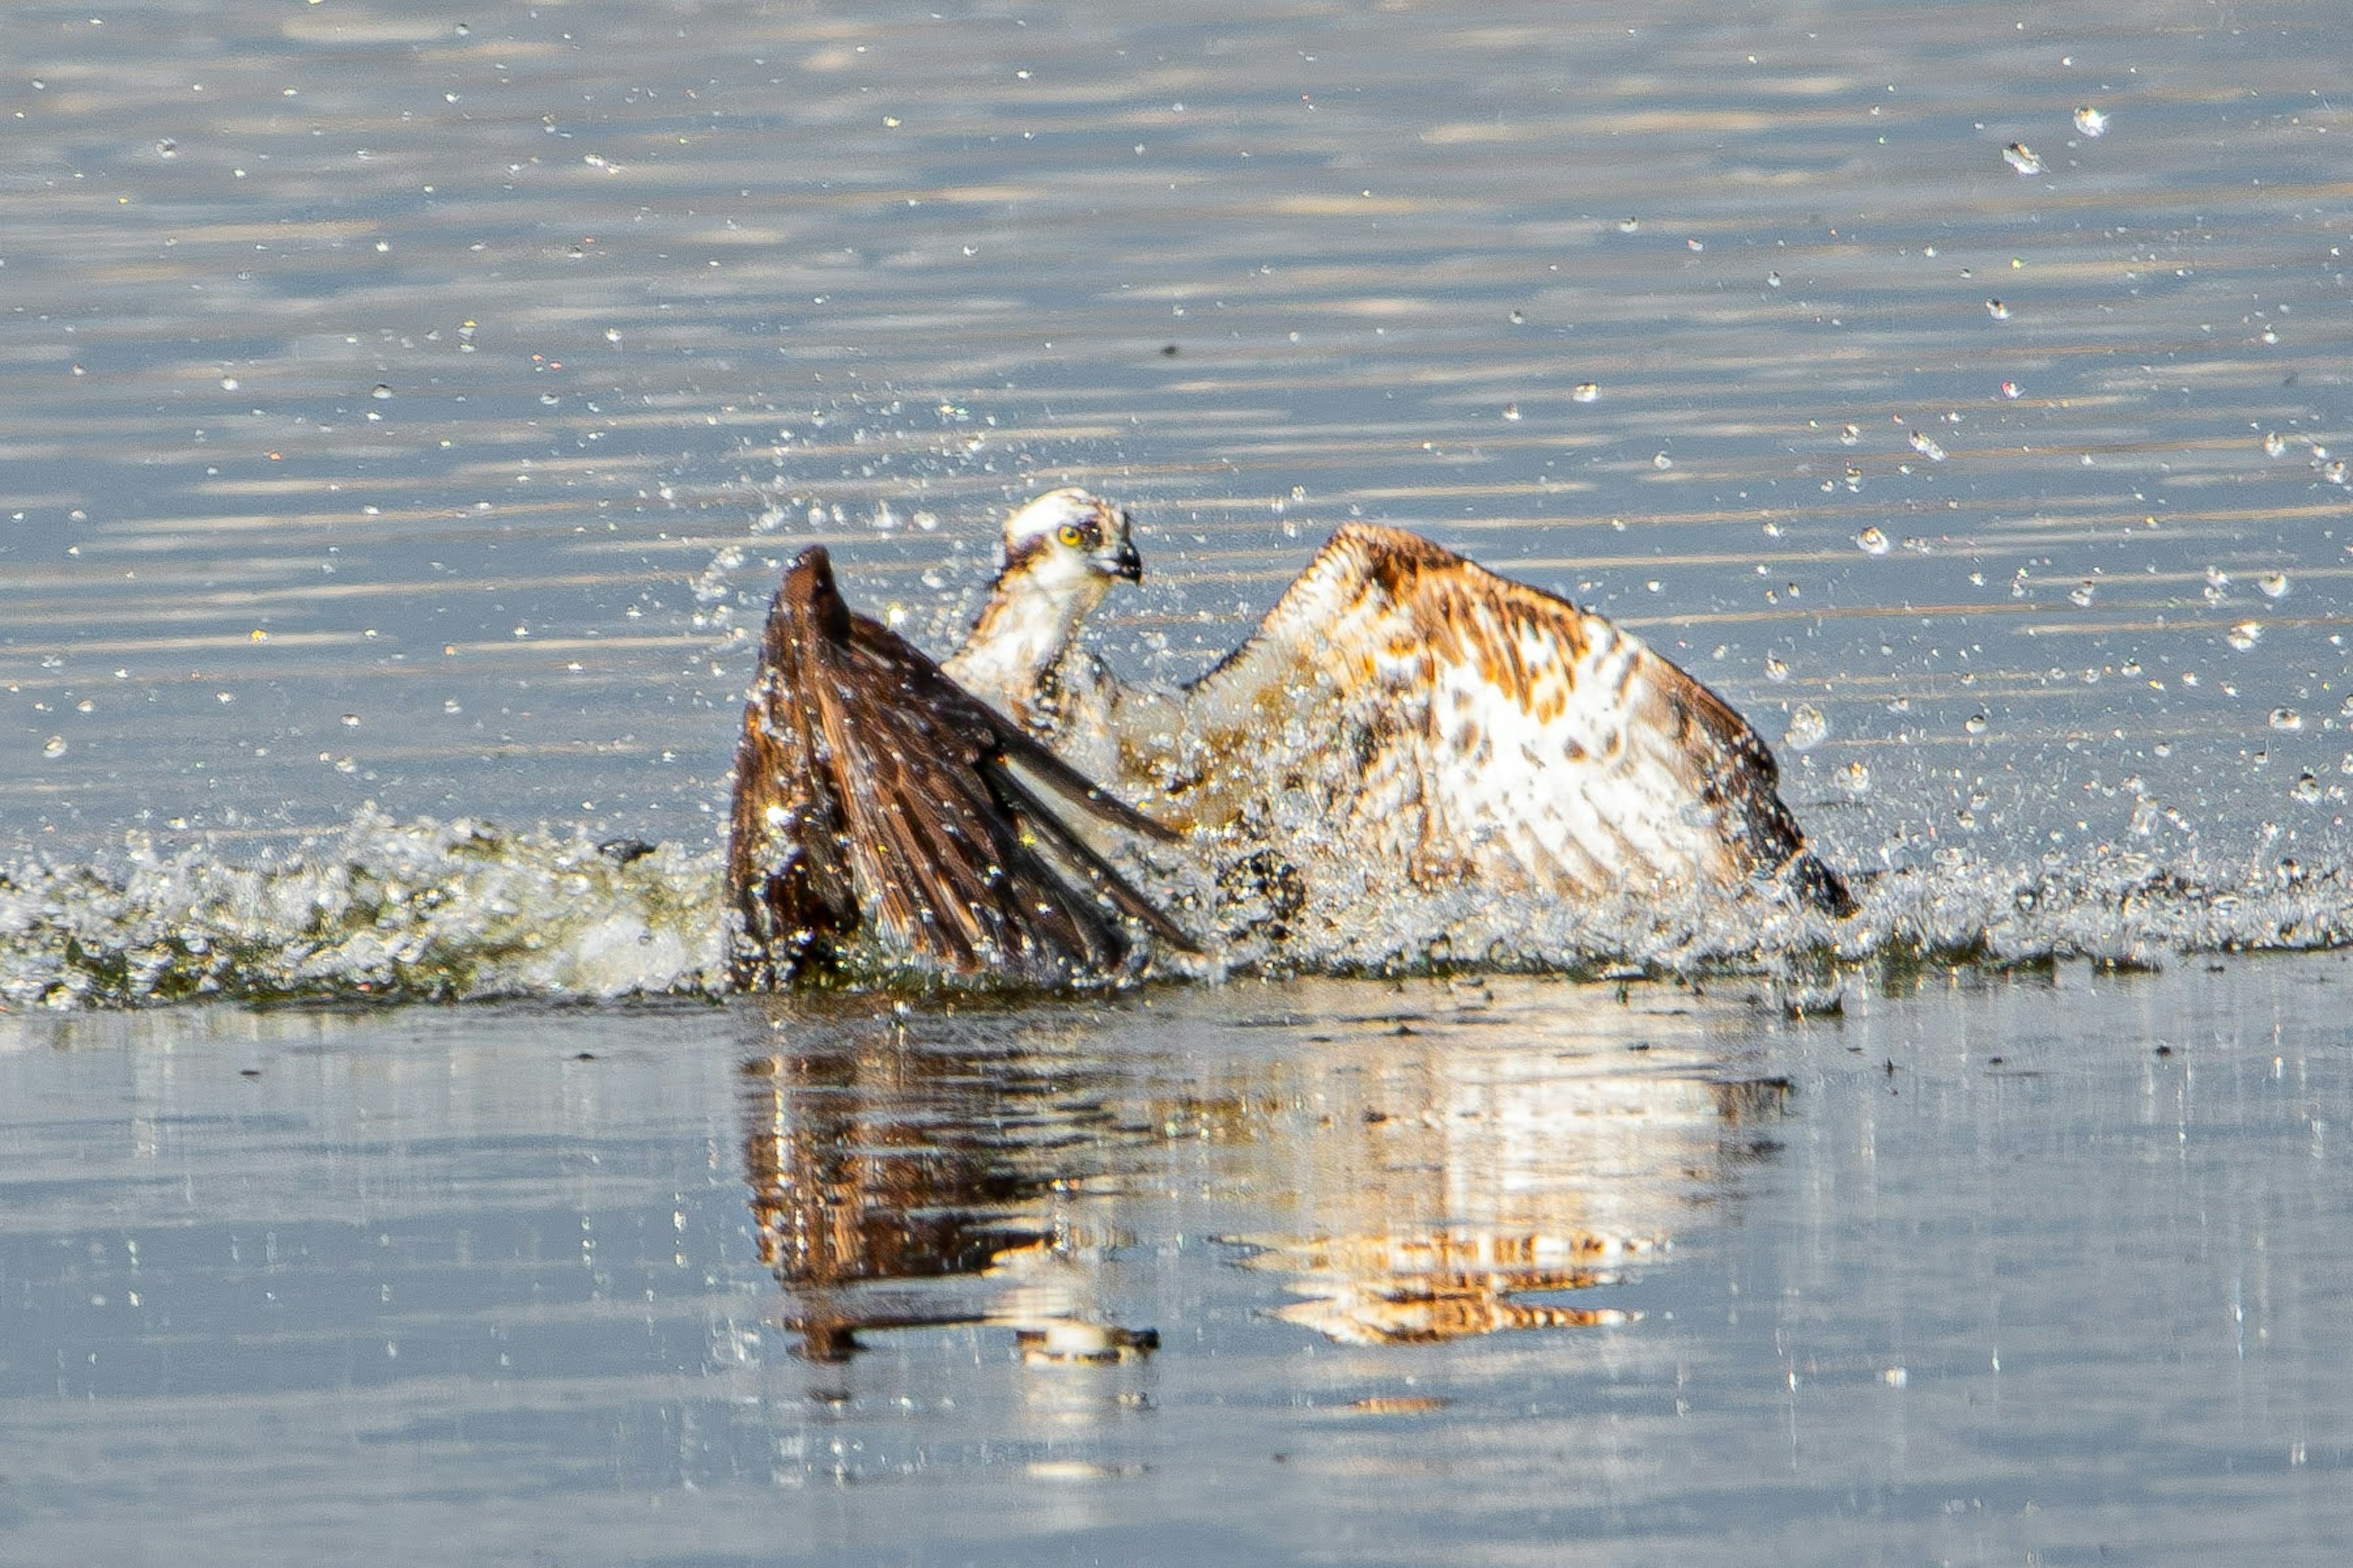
(454, 910)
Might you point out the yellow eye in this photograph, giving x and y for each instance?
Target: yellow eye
(1069, 534)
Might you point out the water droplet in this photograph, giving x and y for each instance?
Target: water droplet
(167, 148)
(2081, 597)
(2286, 719)
(1663, 461)
(55, 746)
(1776, 668)
(1871, 542)
(1856, 778)
(2244, 636)
(2009, 389)
(2307, 788)
(2091, 122)
(1997, 309)
(1925, 445)
(1974, 723)
(228, 383)
(350, 720)
(1772, 280)
(1587, 391)
(1629, 224)
(1808, 728)
(1850, 436)
(451, 705)
(2273, 584)
(2274, 443)
(2021, 157)
(612, 334)
(1518, 319)
(1512, 411)
(381, 390)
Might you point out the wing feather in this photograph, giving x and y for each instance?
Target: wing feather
(873, 796)
(1472, 723)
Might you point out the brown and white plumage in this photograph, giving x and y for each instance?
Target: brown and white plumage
(878, 802)
(1420, 712)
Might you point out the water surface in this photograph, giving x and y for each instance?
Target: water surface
(403, 414)
(2045, 1268)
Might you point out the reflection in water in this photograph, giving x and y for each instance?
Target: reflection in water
(1409, 1178)
(900, 1182)
(1467, 1173)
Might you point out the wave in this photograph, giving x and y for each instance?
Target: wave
(433, 911)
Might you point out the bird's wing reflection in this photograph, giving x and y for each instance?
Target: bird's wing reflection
(1510, 1177)
(898, 1183)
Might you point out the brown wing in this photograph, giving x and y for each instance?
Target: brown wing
(1475, 725)
(875, 798)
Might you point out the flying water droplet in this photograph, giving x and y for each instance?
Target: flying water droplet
(1925, 445)
(1663, 461)
(2244, 636)
(2081, 597)
(1871, 542)
(2274, 443)
(2307, 788)
(1587, 391)
(1512, 411)
(55, 746)
(1997, 309)
(1974, 723)
(2091, 122)
(2286, 719)
(1777, 669)
(1808, 728)
(1850, 436)
(2273, 584)
(2009, 389)
(2021, 157)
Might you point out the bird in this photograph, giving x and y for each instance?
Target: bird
(884, 819)
(1415, 712)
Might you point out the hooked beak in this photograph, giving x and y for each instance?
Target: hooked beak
(1125, 563)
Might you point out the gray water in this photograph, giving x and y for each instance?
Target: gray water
(404, 411)
(2043, 1270)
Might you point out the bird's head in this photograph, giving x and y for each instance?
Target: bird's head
(1069, 538)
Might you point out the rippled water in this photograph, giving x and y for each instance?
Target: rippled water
(403, 415)
(2047, 1269)
(410, 411)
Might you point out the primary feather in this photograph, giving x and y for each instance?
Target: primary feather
(877, 801)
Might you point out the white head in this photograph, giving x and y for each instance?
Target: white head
(1062, 553)
(1069, 540)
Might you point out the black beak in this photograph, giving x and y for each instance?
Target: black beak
(1127, 564)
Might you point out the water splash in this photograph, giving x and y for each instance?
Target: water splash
(417, 911)
(427, 911)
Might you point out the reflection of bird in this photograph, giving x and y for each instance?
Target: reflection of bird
(876, 799)
(898, 1182)
(1438, 719)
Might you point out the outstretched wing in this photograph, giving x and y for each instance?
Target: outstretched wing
(874, 795)
(1473, 725)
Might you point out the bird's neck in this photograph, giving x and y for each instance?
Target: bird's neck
(1021, 634)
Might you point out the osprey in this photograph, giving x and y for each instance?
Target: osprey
(882, 812)
(1409, 709)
